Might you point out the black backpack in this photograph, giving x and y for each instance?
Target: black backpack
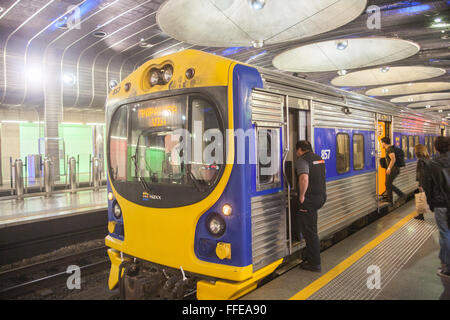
(399, 157)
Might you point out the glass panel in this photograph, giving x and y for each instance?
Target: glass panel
(358, 152)
(159, 149)
(154, 151)
(268, 155)
(118, 144)
(405, 144)
(343, 153)
(416, 140)
(427, 144)
(205, 165)
(433, 143)
(411, 147)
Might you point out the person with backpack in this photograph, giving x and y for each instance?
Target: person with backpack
(394, 160)
(437, 190)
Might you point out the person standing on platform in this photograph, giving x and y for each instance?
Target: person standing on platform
(424, 159)
(310, 169)
(392, 171)
(437, 190)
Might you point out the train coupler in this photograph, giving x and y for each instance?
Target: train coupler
(146, 281)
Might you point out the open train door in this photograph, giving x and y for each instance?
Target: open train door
(298, 128)
(384, 125)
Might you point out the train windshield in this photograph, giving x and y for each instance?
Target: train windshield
(153, 142)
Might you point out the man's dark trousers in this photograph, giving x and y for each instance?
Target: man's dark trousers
(308, 228)
(395, 171)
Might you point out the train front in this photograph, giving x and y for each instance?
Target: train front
(173, 224)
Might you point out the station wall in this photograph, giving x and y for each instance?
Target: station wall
(20, 139)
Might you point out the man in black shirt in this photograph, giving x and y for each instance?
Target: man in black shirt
(392, 170)
(310, 170)
(437, 188)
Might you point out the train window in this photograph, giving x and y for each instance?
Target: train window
(427, 144)
(405, 144)
(342, 153)
(268, 162)
(433, 143)
(118, 144)
(164, 148)
(358, 152)
(416, 141)
(411, 147)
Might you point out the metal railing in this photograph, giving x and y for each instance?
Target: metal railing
(40, 173)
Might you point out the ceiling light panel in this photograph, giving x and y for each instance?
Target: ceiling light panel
(225, 23)
(409, 88)
(429, 104)
(422, 97)
(381, 76)
(329, 56)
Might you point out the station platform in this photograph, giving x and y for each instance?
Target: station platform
(394, 258)
(38, 224)
(39, 208)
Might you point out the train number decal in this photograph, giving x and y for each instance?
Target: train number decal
(325, 154)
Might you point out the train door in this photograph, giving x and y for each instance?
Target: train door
(298, 128)
(383, 130)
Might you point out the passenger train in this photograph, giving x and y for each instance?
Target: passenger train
(218, 229)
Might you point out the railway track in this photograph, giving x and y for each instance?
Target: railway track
(50, 273)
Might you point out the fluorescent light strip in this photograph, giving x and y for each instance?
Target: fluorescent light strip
(14, 121)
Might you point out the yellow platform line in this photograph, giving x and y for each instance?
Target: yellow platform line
(333, 273)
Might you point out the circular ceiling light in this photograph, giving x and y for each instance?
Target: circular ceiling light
(34, 74)
(429, 104)
(410, 88)
(342, 44)
(199, 22)
(342, 72)
(257, 4)
(99, 34)
(422, 97)
(360, 52)
(377, 76)
(69, 79)
(113, 83)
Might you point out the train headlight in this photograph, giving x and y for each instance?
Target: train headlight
(154, 77)
(110, 196)
(227, 209)
(167, 73)
(117, 211)
(216, 225)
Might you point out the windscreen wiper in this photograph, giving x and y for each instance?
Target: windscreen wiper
(194, 181)
(140, 178)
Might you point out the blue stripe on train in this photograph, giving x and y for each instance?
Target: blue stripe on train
(239, 188)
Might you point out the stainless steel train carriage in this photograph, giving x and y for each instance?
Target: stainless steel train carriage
(220, 229)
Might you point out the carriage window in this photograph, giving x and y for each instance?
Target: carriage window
(118, 144)
(411, 147)
(268, 158)
(405, 144)
(416, 140)
(358, 152)
(427, 144)
(342, 153)
(433, 142)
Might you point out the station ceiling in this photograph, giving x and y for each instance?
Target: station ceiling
(97, 42)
